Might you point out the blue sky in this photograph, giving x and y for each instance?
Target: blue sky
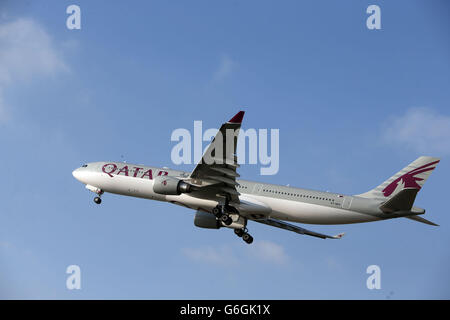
(353, 107)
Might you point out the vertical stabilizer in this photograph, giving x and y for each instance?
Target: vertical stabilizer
(411, 177)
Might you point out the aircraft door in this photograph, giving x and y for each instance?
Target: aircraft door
(347, 202)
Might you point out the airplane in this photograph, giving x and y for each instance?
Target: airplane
(222, 200)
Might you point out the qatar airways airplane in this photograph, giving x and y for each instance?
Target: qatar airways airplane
(222, 200)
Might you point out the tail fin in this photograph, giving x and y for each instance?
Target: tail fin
(411, 177)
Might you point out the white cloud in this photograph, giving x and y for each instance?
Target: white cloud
(3, 108)
(26, 52)
(420, 129)
(226, 255)
(5, 245)
(333, 263)
(222, 255)
(267, 251)
(225, 68)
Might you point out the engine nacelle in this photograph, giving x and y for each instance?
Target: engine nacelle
(206, 220)
(170, 186)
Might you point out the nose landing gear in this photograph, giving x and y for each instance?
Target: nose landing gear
(97, 200)
(96, 190)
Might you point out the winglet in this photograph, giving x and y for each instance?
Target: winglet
(338, 236)
(237, 117)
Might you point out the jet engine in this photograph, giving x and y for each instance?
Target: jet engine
(170, 186)
(206, 220)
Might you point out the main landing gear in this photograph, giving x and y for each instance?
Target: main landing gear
(242, 233)
(221, 214)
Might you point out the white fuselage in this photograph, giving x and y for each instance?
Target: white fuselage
(255, 200)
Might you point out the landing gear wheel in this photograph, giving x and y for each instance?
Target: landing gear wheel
(216, 211)
(239, 232)
(97, 200)
(226, 219)
(247, 238)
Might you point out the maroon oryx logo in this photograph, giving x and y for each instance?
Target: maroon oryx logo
(409, 179)
(164, 182)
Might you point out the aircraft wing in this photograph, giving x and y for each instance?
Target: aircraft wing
(293, 228)
(217, 168)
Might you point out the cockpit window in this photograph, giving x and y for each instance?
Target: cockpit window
(84, 166)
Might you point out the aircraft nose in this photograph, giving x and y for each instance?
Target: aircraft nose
(77, 174)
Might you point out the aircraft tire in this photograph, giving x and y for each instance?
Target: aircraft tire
(226, 219)
(247, 238)
(216, 211)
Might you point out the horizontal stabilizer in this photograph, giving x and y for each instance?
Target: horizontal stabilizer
(420, 219)
(402, 201)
